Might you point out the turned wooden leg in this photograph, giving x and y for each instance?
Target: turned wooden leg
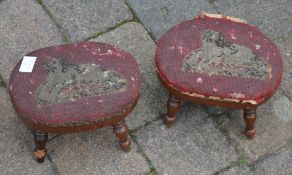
(250, 116)
(40, 151)
(121, 131)
(173, 105)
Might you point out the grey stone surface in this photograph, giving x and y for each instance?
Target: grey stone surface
(194, 145)
(286, 51)
(237, 170)
(2, 82)
(216, 110)
(159, 16)
(95, 152)
(24, 27)
(80, 19)
(133, 38)
(272, 17)
(279, 163)
(272, 132)
(151, 106)
(17, 144)
(282, 108)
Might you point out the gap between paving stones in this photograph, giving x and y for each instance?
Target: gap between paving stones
(109, 29)
(133, 136)
(2, 83)
(252, 166)
(285, 94)
(65, 37)
(135, 18)
(229, 140)
(262, 158)
(138, 20)
(241, 155)
(215, 119)
(159, 117)
(132, 133)
(232, 164)
(153, 171)
(134, 130)
(53, 165)
(211, 1)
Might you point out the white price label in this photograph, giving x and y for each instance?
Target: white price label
(27, 64)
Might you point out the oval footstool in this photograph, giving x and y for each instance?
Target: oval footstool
(73, 88)
(218, 60)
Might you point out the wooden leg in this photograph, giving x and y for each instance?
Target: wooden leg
(173, 105)
(250, 118)
(40, 151)
(121, 131)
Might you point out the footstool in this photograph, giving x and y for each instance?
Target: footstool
(218, 60)
(73, 88)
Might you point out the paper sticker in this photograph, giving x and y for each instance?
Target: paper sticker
(27, 64)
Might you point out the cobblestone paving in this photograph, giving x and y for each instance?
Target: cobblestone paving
(81, 19)
(200, 142)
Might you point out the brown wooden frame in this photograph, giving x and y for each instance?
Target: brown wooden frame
(120, 129)
(174, 102)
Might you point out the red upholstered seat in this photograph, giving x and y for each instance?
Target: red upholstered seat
(220, 59)
(76, 84)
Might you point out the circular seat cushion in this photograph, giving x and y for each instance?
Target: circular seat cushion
(76, 84)
(219, 58)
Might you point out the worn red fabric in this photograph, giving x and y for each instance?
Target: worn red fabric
(22, 86)
(183, 38)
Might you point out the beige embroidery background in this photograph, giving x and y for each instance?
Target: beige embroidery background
(220, 57)
(69, 82)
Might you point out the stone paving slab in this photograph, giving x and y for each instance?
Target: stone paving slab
(133, 38)
(272, 17)
(81, 19)
(95, 152)
(194, 145)
(286, 50)
(159, 16)
(217, 110)
(273, 128)
(17, 144)
(279, 163)
(2, 84)
(24, 27)
(150, 107)
(238, 171)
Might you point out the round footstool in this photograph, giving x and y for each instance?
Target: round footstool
(75, 87)
(218, 60)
